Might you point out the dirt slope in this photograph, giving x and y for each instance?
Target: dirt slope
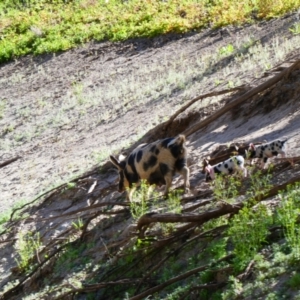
(64, 113)
(93, 253)
(63, 98)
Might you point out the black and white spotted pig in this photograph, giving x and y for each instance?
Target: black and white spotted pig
(229, 166)
(156, 163)
(264, 151)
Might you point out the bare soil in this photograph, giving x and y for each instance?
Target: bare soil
(35, 90)
(57, 137)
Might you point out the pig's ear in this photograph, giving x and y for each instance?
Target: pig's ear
(206, 161)
(252, 146)
(116, 162)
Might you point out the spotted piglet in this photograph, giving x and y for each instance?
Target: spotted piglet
(229, 166)
(267, 150)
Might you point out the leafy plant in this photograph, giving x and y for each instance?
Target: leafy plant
(248, 229)
(294, 281)
(71, 257)
(8, 128)
(140, 197)
(230, 84)
(144, 199)
(78, 92)
(295, 29)
(173, 202)
(216, 249)
(235, 289)
(226, 188)
(27, 247)
(78, 224)
(226, 50)
(4, 217)
(71, 185)
(259, 185)
(288, 213)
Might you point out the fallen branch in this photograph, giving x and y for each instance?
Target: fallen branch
(147, 219)
(212, 286)
(200, 195)
(242, 99)
(247, 272)
(54, 190)
(178, 249)
(13, 291)
(212, 94)
(199, 204)
(159, 287)
(82, 210)
(9, 161)
(86, 224)
(94, 287)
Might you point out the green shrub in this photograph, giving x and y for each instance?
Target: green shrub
(248, 230)
(27, 247)
(288, 214)
(294, 281)
(39, 26)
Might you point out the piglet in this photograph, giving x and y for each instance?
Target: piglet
(229, 166)
(267, 150)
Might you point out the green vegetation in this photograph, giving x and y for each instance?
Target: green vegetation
(27, 246)
(296, 28)
(58, 25)
(241, 238)
(288, 215)
(50, 26)
(78, 225)
(226, 188)
(226, 50)
(294, 282)
(140, 200)
(5, 215)
(234, 290)
(72, 257)
(248, 230)
(145, 199)
(2, 108)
